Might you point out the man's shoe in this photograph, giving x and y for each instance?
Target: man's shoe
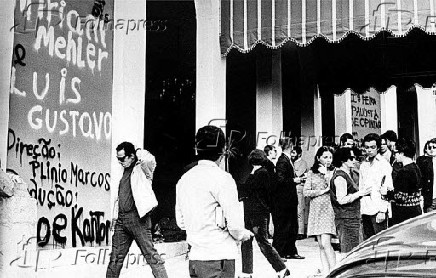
(295, 256)
(336, 246)
(300, 236)
(284, 274)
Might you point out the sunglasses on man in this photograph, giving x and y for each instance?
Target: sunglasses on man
(121, 159)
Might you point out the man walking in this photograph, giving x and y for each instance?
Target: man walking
(135, 200)
(376, 174)
(207, 207)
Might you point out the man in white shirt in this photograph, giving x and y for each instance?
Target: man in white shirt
(207, 207)
(375, 173)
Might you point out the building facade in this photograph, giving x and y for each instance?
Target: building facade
(162, 76)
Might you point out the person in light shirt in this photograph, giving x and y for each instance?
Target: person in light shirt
(207, 207)
(376, 174)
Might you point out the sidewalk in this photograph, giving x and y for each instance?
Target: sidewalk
(177, 266)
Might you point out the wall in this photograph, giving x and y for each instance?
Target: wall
(128, 96)
(18, 218)
(426, 115)
(60, 128)
(6, 45)
(211, 68)
(389, 115)
(343, 118)
(269, 108)
(311, 124)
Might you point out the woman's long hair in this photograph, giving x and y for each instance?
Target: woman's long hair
(318, 154)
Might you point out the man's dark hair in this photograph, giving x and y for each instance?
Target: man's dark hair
(257, 157)
(286, 143)
(209, 143)
(431, 141)
(298, 150)
(268, 148)
(373, 137)
(341, 155)
(406, 146)
(390, 135)
(344, 137)
(128, 148)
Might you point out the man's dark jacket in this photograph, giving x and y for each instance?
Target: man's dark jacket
(286, 190)
(425, 164)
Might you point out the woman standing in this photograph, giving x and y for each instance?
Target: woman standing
(255, 194)
(407, 184)
(321, 216)
(345, 197)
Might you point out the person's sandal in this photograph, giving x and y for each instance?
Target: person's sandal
(287, 273)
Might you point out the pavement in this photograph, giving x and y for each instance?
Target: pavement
(93, 262)
(86, 265)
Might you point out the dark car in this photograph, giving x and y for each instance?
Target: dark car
(404, 250)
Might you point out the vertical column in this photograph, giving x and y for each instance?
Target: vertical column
(311, 123)
(269, 108)
(128, 98)
(211, 68)
(343, 114)
(317, 114)
(6, 44)
(426, 115)
(388, 107)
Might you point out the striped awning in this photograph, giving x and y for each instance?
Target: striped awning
(245, 23)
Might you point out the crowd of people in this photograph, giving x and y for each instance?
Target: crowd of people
(357, 190)
(351, 192)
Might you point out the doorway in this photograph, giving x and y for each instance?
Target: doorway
(170, 96)
(407, 105)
